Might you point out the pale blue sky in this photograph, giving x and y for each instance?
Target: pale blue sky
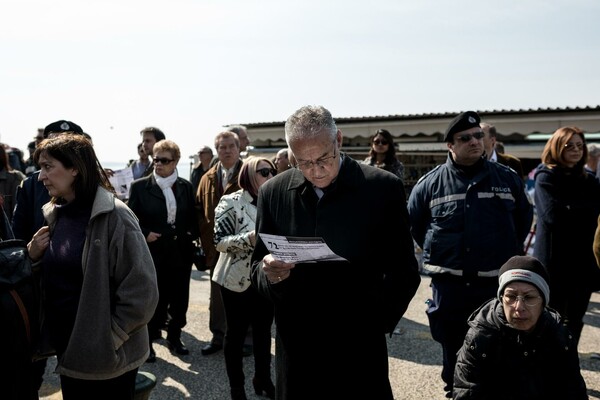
(190, 67)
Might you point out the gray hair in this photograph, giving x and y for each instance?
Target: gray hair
(593, 150)
(308, 122)
(226, 135)
(491, 129)
(283, 152)
(237, 129)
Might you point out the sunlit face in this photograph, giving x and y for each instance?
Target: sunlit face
(148, 142)
(205, 156)
(57, 179)
(164, 163)
(489, 142)
(244, 140)
(281, 161)
(380, 144)
(143, 155)
(228, 152)
(466, 152)
(573, 151)
(318, 158)
(520, 315)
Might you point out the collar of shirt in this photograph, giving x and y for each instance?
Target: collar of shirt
(494, 157)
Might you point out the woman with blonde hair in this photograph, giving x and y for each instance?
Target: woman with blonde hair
(164, 203)
(235, 219)
(567, 201)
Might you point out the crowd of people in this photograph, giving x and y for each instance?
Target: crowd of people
(116, 274)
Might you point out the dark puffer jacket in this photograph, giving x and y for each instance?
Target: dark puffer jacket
(499, 362)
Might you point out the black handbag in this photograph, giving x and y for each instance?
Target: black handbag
(21, 280)
(17, 281)
(198, 257)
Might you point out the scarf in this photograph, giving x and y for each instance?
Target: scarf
(166, 185)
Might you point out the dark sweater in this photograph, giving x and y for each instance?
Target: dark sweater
(62, 272)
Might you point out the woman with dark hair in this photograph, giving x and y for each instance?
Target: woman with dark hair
(235, 219)
(10, 179)
(383, 154)
(98, 281)
(567, 202)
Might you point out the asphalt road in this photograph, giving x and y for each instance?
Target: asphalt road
(414, 358)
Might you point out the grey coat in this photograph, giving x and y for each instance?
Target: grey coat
(118, 296)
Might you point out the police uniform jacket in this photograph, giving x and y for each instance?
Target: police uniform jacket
(512, 162)
(469, 226)
(499, 362)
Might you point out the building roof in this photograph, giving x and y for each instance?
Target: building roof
(484, 114)
(523, 131)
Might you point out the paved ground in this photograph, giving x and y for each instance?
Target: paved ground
(415, 359)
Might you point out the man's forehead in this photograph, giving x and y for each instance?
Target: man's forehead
(226, 141)
(470, 130)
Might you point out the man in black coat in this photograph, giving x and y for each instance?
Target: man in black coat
(332, 316)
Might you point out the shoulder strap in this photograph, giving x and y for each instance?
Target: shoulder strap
(8, 223)
(24, 313)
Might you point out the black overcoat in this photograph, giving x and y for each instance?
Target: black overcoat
(332, 317)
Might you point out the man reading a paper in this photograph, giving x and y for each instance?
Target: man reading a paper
(332, 316)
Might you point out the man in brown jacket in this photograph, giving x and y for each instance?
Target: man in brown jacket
(221, 179)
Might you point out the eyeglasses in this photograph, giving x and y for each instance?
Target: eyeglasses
(381, 142)
(467, 137)
(266, 171)
(574, 146)
(320, 163)
(529, 300)
(164, 161)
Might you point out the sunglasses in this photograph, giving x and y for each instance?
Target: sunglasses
(574, 146)
(467, 137)
(164, 161)
(266, 171)
(378, 142)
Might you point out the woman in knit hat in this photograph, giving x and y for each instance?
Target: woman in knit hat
(517, 347)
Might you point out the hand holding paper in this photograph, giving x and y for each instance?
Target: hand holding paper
(292, 249)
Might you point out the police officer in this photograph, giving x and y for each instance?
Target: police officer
(469, 216)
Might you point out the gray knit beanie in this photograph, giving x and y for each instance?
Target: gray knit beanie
(524, 269)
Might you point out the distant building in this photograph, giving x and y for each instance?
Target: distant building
(419, 137)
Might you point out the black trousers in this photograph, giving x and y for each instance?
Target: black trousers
(119, 388)
(572, 302)
(173, 281)
(453, 301)
(244, 309)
